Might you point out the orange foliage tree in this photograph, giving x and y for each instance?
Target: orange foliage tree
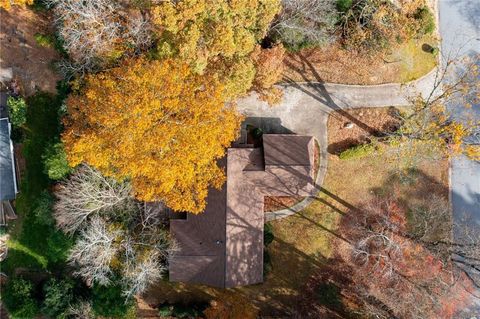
(155, 123)
(405, 278)
(269, 66)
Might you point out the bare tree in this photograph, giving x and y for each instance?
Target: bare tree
(139, 33)
(94, 32)
(306, 22)
(136, 245)
(94, 251)
(90, 29)
(457, 242)
(430, 121)
(81, 310)
(143, 273)
(395, 275)
(377, 243)
(87, 192)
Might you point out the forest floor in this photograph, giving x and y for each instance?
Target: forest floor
(305, 243)
(333, 64)
(22, 56)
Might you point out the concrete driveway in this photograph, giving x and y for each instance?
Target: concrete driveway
(305, 107)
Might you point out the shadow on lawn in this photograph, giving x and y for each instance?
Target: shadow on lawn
(277, 296)
(332, 286)
(300, 285)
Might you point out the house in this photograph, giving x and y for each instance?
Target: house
(223, 246)
(8, 179)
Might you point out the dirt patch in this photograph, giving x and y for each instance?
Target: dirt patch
(335, 65)
(348, 128)
(21, 57)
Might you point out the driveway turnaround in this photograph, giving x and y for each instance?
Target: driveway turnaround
(305, 107)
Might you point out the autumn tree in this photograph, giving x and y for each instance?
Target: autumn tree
(375, 26)
(405, 279)
(269, 68)
(7, 4)
(215, 37)
(430, 120)
(157, 124)
(199, 31)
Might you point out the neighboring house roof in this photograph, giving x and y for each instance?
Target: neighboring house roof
(223, 246)
(8, 184)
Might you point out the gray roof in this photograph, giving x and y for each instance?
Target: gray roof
(223, 246)
(8, 187)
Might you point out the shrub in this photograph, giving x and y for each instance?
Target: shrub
(58, 246)
(268, 238)
(18, 298)
(165, 310)
(58, 296)
(44, 40)
(108, 301)
(267, 263)
(344, 5)
(268, 234)
(43, 208)
(17, 111)
(426, 20)
(358, 151)
(17, 135)
(55, 162)
(180, 311)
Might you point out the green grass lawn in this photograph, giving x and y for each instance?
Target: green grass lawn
(34, 244)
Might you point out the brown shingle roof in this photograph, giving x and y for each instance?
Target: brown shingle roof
(223, 246)
(286, 149)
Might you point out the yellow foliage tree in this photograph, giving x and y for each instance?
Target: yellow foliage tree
(215, 36)
(7, 4)
(199, 30)
(156, 123)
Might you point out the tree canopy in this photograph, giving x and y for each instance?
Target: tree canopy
(202, 30)
(215, 37)
(7, 4)
(156, 123)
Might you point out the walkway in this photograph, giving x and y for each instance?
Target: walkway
(305, 108)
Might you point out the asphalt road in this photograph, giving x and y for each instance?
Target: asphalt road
(460, 33)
